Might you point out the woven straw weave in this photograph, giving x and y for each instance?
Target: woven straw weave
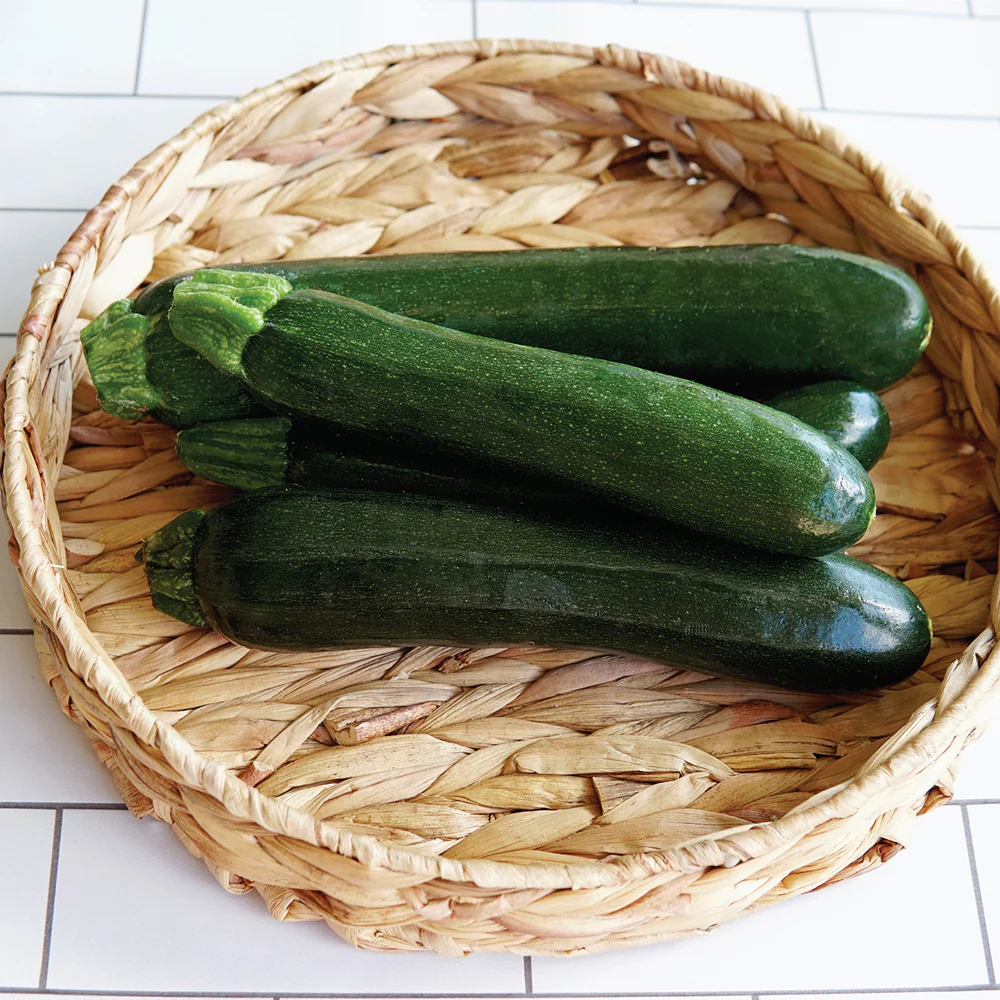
(532, 800)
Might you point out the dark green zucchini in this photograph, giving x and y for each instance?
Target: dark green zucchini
(289, 569)
(256, 452)
(655, 444)
(755, 320)
(845, 412)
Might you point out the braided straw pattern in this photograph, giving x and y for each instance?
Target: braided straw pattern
(532, 800)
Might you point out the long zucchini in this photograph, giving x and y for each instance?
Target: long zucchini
(656, 444)
(308, 569)
(251, 453)
(257, 452)
(749, 319)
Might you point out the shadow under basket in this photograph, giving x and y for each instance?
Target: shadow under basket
(532, 800)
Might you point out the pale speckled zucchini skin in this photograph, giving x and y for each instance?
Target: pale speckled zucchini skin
(652, 443)
(308, 569)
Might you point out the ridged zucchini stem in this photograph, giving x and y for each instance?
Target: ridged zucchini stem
(169, 558)
(248, 454)
(218, 311)
(115, 345)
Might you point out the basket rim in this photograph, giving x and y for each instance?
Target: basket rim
(896, 761)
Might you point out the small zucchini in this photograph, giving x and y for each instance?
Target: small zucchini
(295, 569)
(845, 412)
(754, 320)
(658, 445)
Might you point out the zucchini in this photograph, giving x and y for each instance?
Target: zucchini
(257, 452)
(846, 412)
(650, 442)
(254, 452)
(755, 320)
(291, 569)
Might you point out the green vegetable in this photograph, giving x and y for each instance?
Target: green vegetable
(846, 412)
(749, 319)
(658, 445)
(310, 569)
(273, 451)
(139, 367)
(255, 452)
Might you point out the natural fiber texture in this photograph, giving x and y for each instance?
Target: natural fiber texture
(532, 800)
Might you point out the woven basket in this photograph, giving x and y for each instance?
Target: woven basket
(530, 800)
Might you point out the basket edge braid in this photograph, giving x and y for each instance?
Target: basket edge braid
(923, 745)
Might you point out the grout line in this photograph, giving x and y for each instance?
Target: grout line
(66, 806)
(142, 42)
(122, 807)
(968, 3)
(27, 208)
(475, 20)
(43, 974)
(528, 976)
(14, 631)
(215, 995)
(987, 952)
(931, 115)
(818, 9)
(815, 59)
(122, 95)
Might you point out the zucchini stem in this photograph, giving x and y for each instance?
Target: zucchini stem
(248, 454)
(115, 345)
(169, 558)
(218, 311)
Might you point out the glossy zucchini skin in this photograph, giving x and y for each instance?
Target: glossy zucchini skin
(755, 320)
(294, 569)
(845, 412)
(655, 444)
(255, 452)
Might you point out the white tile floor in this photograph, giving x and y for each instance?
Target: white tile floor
(954, 159)
(811, 942)
(26, 836)
(80, 145)
(105, 65)
(778, 59)
(27, 240)
(107, 859)
(867, 63)
(46, 758)
(87, 88)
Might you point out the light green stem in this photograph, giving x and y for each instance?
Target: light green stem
(218, 311)
(115, 346)
(247, 454)
(169, 556)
